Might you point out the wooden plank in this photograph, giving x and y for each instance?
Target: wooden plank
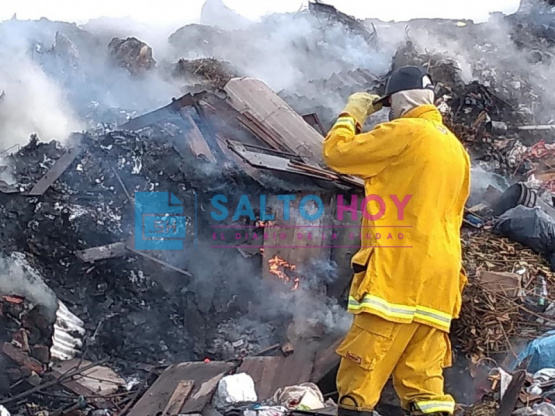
(194, 138)
(55, 171)
(109, 251)
(179, 397)
(205, 377)
(160, 262)
(510, 398)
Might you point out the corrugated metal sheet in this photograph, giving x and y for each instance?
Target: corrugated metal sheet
(253, 96)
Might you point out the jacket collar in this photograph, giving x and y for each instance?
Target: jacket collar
(428, 112)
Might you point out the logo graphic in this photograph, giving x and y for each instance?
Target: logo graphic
(159, 221)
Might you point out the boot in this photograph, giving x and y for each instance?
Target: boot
(341, 411)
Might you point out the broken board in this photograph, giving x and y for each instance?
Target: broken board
(55, 172)
(205, 377)
(194, 138)
(179, 397)
(109, 251)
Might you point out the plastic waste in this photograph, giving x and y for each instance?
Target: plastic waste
(233, 390)
(541, 352)
(531, 227)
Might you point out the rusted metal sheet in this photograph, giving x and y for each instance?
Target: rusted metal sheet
(205, 377)
(272, 373)
(291, 131)
(162, 113)
(55, 171)
(109, 251)
(179, 397)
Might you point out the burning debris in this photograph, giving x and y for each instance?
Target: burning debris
(284, 271)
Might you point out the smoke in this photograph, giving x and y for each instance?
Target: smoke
(18, 277)
(31, 102)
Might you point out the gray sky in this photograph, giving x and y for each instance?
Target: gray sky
(177, 12)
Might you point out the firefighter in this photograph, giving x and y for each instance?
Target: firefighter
(403, 297)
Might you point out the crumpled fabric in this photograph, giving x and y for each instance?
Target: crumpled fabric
(542, 409)
(291, 396)
(541, 376)
(404, 101)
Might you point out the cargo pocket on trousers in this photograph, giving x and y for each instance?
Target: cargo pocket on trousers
(366, 347)
(448, 358)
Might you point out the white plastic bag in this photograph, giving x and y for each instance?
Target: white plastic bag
(237, 388)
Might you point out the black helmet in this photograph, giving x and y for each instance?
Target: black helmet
(404, 79)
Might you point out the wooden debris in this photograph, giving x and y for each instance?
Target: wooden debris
(510, 398)
(108, 251)
(491, 321)
(160, 262)
(179, 397)
(55, 172)
(205, 377)
(194, 139)
(500, 282)
(95, 381)
(22, 358)
(162, 113)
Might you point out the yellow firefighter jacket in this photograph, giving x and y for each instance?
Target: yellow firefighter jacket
(415, 155)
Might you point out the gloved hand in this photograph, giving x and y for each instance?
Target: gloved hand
(360, 105)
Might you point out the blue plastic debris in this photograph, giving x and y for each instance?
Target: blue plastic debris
(541, 352)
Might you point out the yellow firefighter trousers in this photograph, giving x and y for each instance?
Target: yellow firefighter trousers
(415, 354)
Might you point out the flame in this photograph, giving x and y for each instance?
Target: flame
(260, 223)
(279, 267)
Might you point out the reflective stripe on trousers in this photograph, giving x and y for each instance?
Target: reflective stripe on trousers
(434, 406)
(391, 310)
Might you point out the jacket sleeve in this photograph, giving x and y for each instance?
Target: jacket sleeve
(366, 154)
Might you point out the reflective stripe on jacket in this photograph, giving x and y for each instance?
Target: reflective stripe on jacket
(421, 278)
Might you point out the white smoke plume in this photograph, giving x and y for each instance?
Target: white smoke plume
(18, 277)
(32, 102)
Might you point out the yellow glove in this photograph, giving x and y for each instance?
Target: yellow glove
(360, 105)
